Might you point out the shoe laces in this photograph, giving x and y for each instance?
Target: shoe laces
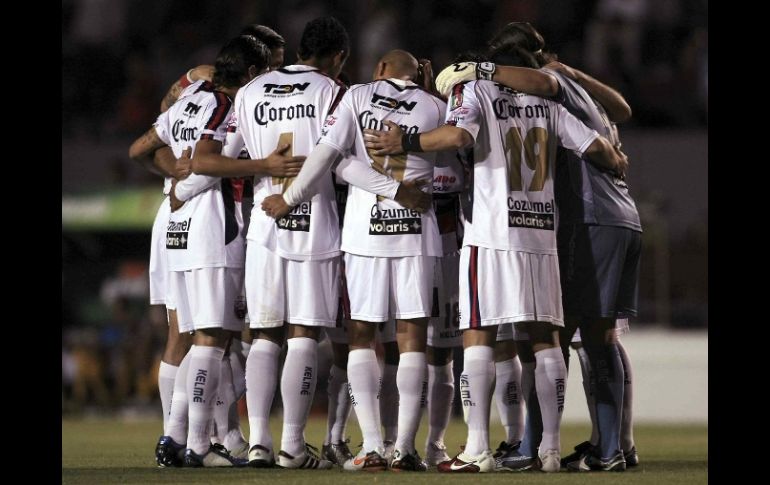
(220, 448)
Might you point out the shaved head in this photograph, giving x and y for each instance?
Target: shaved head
(396, 64)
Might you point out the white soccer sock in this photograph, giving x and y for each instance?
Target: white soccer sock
(476, 392)
(412, 382)
(389, 407)
(509, 400)
(627, 423)
(166, 377)
(202, 384)
(551, 385)
(441, 391)
(297, 390)
(364, 381)
(229, 432)
(585, 370)
(238, 367)
(176, 426)
(261, 379)
(339, 405)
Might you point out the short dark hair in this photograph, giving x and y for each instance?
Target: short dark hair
(522, 35)
(235, 58)
(323, 37)
(265, 34)
(470, 56)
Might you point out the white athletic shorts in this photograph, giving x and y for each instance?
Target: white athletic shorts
(507, 287)
(444, 327)
(382, 288)
(284, 290)
(158, 261)
(208, 298)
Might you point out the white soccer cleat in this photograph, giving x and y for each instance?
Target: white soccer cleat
(463, 463)
(261, 457)
(308, 459)
(435, 453)
(550, 461)
(371, 461)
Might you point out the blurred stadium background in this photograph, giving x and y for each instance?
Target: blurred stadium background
(120, 56)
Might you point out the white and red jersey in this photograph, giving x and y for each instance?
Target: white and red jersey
(288, 105)
(448, 182)
(375, 226)
(511, 201)
(206, 231)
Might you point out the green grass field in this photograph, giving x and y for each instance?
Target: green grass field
(113, 451)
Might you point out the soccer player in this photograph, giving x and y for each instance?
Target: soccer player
(205, 257)
(509, 245)
(389, 252)
(599, 247)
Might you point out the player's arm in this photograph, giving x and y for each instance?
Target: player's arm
(143, 149)
(524, 79)
(195, 74)
(193, 185)
(277, 164)
(614, 103)
(394, 141)
(574, 135)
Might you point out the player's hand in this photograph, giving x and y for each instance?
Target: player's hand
(563, 69)
(205, 72)
(384, 142)
(275, 206)
(622, 161)
(411, 196)
(454, 74)
(425, 76)
(176, 204)
(183, 167)
(280, 165)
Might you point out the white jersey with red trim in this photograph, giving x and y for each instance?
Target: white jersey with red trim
(206, 231)
(448, 182)
(510, 204)
(375, 226)
(288, 105)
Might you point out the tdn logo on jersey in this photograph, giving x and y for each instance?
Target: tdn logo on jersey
(191, 109)
(387, 102)
(285, 88)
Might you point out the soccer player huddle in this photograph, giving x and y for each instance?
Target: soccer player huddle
(486, 209)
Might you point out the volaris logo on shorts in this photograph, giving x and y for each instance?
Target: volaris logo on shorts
(385, 222)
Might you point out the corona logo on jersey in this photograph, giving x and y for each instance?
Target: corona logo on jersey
(384, 222)
(179, 132)
(532, 215)
(279, 89)
(298, 219)
(380, 101)
(367, 120)
(504, 109)
(177, 234)
(264, 113)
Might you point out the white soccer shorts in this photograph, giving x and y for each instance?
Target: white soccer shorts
(208, 298)
(499, 287)
(297, 292)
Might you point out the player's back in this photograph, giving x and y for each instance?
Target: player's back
(586, 193)
(382, 227)
(512, 194)
(288, 106)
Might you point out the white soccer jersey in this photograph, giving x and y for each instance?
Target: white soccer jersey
(288, 105)
(375, 226)
(511, 201)
(206, 230)
(448, 181)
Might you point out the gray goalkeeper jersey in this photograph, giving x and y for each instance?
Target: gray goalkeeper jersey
(585, 193)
